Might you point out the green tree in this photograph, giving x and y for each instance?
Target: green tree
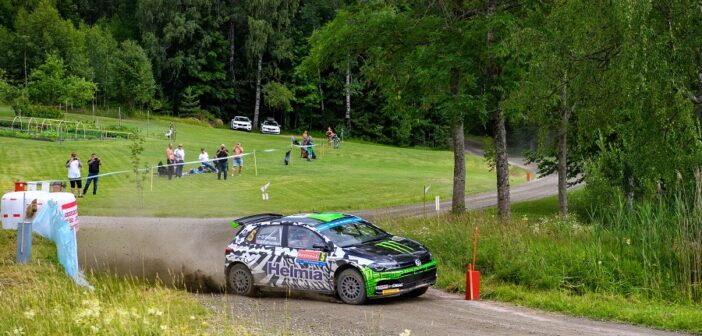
(190, 102)
(268, 22)
(186, 44)
(132, 74)
(564, 52)
(43, 31)
(78, 91)
(101, 52)
(47, 82)
(418, 56)
(277, 96)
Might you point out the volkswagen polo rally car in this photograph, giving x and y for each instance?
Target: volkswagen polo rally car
(328, 253)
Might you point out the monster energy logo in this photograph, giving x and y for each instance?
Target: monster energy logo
(391, 245)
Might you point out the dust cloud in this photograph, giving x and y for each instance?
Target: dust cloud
(183, 252)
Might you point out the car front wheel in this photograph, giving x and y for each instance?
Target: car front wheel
(240, 281)
(350, 287)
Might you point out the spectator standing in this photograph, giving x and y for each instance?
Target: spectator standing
(93, 171)
(221, 161)
(205, 159)
(170, 159)
(179, 154)
(238, 160)
(74, 165)
(330, 135)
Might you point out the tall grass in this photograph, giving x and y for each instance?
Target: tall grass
(39, 299)
(617, 265)
(667, 232)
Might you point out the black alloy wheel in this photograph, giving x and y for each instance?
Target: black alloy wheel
(240, 281)
(350, 287)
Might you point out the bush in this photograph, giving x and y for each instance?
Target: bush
(37, 111)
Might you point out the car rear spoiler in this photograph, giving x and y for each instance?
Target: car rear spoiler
(255, 219)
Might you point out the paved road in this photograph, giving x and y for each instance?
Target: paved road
(191, 250)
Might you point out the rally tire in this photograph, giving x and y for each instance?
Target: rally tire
(416, 292)
(350, 287)
(240, 281)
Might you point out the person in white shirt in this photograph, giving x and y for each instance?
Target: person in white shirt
(205, 159)
(179, 154)
(74, 165)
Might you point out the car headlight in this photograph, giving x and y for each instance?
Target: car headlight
(383, 266)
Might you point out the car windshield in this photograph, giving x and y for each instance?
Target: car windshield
(241, 119)
(345, 234)
(270, 123)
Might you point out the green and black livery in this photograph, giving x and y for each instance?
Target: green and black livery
(328, 253)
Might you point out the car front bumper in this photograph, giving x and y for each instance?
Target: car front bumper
(398, 282)
(245, 127)
(270, 130)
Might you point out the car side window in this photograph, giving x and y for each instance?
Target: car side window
(302, 238)
(270, 235)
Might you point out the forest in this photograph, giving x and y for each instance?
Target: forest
(610, 91)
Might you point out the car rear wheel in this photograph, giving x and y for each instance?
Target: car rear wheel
(416, 292)
(240, 281)
(350, 287)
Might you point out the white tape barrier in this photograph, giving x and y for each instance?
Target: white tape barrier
(156, 167)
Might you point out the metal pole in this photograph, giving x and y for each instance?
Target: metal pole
(24, 242)
(152, 178)
(425, 201)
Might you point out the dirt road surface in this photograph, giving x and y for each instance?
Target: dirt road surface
(190, 251)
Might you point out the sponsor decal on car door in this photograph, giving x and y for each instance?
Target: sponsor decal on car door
(303, 269)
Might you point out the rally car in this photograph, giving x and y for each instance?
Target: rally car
(328, 253)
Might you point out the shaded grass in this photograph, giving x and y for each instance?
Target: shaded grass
(563, 265)
(359, 176)
(39, 299)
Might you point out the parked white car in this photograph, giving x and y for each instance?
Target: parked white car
(241, 123)
(270, 126)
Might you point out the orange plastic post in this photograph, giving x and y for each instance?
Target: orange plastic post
(473, 276)
(528, 176)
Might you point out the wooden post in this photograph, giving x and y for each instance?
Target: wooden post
(255, 163)
(152, 178)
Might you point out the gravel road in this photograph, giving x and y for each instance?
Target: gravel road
(191, 251)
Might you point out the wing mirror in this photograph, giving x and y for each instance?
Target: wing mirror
(323, 247)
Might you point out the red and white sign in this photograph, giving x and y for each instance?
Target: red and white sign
(70, 213)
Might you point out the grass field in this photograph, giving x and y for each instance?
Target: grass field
(358, 176)
(39, 299)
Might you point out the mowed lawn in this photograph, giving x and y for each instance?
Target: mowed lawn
(358, 176)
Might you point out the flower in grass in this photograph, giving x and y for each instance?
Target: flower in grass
(577, 228)
(164, 327)
(95, 329)
(627, 241)
(525, 218)
(154, 311)
(192, 317)
(406, 332)
(18, 331)
(29, 314)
